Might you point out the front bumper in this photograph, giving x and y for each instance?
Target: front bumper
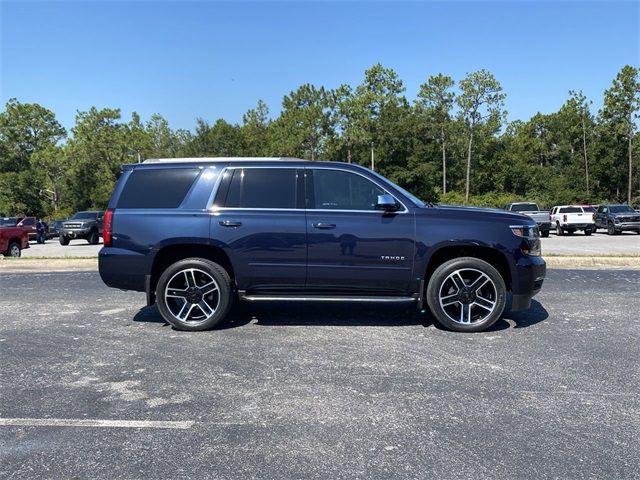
(75, 232)
(622, 226)
(528, 277)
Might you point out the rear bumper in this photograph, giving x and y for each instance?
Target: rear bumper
(123, 269)
(530, 273)
(577, 226)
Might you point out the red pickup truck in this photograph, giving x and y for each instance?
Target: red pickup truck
(13, 240)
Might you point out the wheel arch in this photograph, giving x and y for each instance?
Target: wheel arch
(170, 254)
(490, 255)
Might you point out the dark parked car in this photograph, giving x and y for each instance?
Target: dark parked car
(196, 234)
(617, 218)
(83, 225)
(54, 228)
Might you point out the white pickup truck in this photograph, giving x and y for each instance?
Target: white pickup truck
(571, 218)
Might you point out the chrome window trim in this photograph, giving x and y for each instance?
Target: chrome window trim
(214, 190)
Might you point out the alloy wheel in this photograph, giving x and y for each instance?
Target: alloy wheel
(468, 296)
(192, 296)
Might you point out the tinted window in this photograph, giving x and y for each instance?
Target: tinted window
(571, 210)
(340, 190)
(157, 188)
(84, 216)
(622, 209)
(262, 188)
(524, 207)
(28, 221)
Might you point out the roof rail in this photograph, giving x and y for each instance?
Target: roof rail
(221, 159)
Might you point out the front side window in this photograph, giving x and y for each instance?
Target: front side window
(341, 190)
(262, 188)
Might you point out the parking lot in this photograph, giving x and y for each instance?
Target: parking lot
(578, 244)
(95, 385)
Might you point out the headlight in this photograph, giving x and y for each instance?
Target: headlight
(530, 239)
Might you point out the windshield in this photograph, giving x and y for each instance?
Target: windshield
(7, 222)
(84, 216)
(416, 201)
(524, 207)
(621, 209)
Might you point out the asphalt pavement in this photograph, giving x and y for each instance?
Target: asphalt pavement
(95, 385)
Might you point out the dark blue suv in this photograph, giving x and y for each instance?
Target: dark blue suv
(197, 234)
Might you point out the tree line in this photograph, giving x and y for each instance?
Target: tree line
(452, 144)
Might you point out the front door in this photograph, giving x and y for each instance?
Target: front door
(352, 247)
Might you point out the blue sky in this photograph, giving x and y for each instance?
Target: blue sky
(216, 59)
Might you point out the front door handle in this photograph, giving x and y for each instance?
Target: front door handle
(230, 223)
(326, 226)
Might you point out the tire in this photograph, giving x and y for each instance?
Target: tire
(14, 249)
(545, 233)
(63, 240)
(93, 238)
(559, 230)
(466, 310)
(611, 229)
(587, 231)
(182, 301)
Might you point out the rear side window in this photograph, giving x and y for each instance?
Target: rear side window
(262, 188)
(157, 188)
(571, 210)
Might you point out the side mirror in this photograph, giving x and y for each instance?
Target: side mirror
(387, 203)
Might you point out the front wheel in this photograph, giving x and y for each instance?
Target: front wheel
(466, 294)
(14, 249)
(611, 229)
(93, 237)
(545, 233)
(63, 240)
(194, 294)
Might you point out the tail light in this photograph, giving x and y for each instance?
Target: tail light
(107, 227)
(564, 218)
(593, 217)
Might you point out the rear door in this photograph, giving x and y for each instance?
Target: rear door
(352, 247)
(259, 220)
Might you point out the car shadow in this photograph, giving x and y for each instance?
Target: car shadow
(282, 314)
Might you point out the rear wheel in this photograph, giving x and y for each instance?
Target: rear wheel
(14, 249)
(587, 231)
(63, 240)
(559, 230)
(466, 294)
(194, 294)
(545, 233)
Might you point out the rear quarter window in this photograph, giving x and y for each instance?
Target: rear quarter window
(157, 188)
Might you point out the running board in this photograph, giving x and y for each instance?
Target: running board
(322, 298)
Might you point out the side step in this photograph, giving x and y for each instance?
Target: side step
(324, 298)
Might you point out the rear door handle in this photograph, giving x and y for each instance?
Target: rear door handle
(230, 223)
(324, 225)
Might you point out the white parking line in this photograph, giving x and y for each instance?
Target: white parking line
(74, 422)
